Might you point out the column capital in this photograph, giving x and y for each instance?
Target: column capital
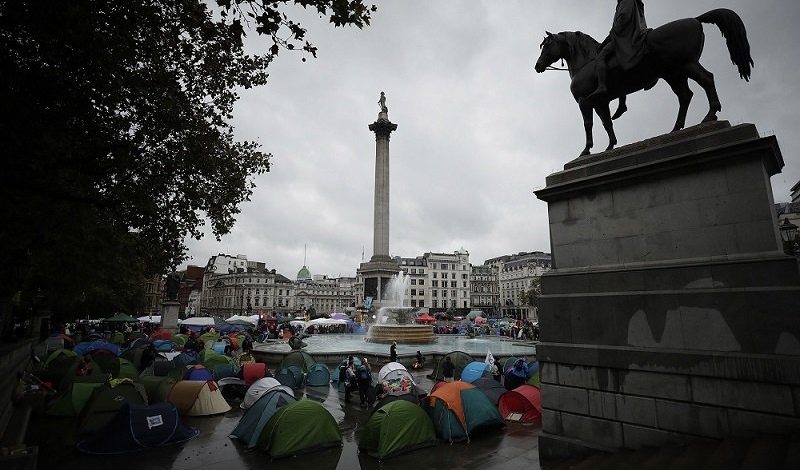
(382, 128)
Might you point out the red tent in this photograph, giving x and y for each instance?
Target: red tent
(524, 400)
(425, 318)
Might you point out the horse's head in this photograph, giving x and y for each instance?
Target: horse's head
(551, 52)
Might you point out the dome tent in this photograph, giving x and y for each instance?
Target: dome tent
(259, 388)
(524, 400)
(299, 427)
(460, 360)
(298, 358)
(318, 375)
(458, 409)
(397, 427)
(198, 398)
(107, 399)
(137, 427)
(476, 369)
(252, 423)
(291, 376)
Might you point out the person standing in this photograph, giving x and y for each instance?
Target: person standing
(393, 352)
(364, 380)
(349, 378)
(448, 369)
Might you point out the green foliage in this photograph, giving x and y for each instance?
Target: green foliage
(116, 140)
(531, 296)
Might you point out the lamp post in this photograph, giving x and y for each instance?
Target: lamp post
(789, 236)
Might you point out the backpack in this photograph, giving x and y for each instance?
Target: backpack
(363, 373)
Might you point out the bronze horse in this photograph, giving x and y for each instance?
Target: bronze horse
(673, 52)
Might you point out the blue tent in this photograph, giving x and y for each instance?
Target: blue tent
(97, 345)
(137, 427)
(476, 369)
(252, 422)
(318, 375)
(291, 376)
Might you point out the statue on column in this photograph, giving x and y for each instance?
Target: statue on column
(172, 284)
(382, 103)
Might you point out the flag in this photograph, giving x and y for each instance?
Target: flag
(489, 357)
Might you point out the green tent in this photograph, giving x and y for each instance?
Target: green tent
(71, 401)
(460, 360)
(297, 428)
(118, 367)
(397, 427)
(120, 317)
(298, 358)
(258, 414)
(107, 399)
(157, 388)
(212, 359)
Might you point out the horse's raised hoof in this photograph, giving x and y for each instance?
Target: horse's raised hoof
(619, 112)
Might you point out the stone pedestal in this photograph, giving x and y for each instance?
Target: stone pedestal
(169, 315)
(671, 313)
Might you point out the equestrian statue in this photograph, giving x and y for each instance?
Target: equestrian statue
(634, 58)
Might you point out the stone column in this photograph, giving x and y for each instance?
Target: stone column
(382, 128)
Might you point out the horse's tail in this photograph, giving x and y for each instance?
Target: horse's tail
(732, 29)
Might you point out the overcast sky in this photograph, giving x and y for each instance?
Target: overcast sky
(478, 130)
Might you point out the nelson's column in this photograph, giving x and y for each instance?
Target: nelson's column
(380, 268)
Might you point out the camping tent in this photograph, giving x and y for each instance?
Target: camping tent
(492, 388)
(459, 358)
(534, 372)
(157, 388)
(395, 428)
(196, 372)
(394, 379)
(291, 376)
(318, 375)
(252, 422)
(120, 317)
(71, 401)
(425, 318)
(298, 358)
(137, 427)
(260, 387)
(107, 399)
(252, 371)
(458, 409)
(476, 369)
(222, 371)
(198, 398)
(524, 400)
(299, 427)
(97, 345)
(118, 367)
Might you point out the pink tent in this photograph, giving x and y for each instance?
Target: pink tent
(524, 400)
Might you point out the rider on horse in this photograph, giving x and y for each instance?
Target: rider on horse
(626, 41)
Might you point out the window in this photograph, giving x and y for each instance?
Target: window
(444, 275)
(435, 283)
(413, 291)
(422, 282)
(453, 284)
(435, 293)
(444, 293)
(413, 282)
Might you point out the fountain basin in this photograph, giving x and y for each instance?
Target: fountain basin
(401, 334)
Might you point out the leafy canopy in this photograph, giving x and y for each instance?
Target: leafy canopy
(116, 135)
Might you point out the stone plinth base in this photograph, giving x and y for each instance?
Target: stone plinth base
(402, 334)
(169, 315)
(671, 313)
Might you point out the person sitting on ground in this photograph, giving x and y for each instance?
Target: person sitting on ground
(420, 361)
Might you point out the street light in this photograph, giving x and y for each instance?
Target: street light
(789, 236)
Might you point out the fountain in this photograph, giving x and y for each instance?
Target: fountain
(395, 323)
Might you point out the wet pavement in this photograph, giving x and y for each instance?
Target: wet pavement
(513, 447)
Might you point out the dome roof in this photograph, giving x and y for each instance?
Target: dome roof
(304, 273)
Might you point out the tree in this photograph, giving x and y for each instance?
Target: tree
(531, 296)
(116, 139)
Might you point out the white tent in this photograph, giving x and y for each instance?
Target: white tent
(198, 321)
(149, 319)
(260, 387)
